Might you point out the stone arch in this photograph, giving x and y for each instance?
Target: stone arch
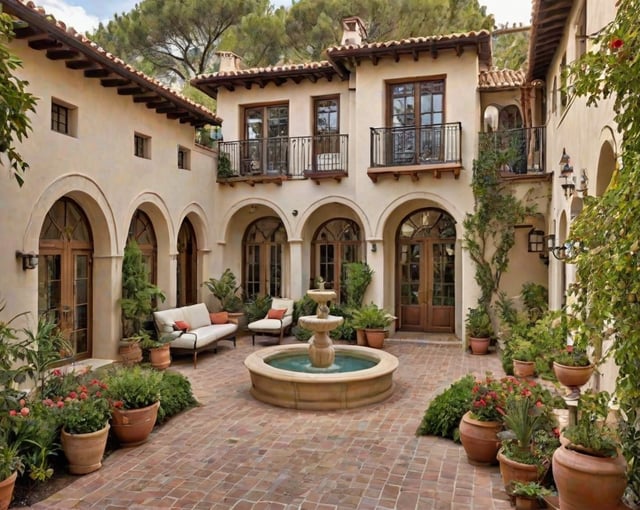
(606, 162)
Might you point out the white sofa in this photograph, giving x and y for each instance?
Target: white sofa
(201, 335)
(273, 326)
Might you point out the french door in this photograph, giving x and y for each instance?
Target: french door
(267, 135)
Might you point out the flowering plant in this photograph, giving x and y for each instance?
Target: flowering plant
(80, 401)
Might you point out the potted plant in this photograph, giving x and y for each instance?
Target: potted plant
(523, 355)
(528, 495)
(84, 411)
(138, 300)
(135, 397)
(11, 464)
(479, 329)
(588, 469)
(373, 320)
(159, 350)
(226, 290)
(573, 368)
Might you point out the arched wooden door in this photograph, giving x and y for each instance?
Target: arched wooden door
(187, 267)
(263, 246)
(426, 271)
(65, 275)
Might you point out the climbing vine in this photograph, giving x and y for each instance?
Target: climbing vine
(606, 234)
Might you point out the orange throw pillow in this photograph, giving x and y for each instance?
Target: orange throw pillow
(276, 313)
(219, 317)
(183, 325)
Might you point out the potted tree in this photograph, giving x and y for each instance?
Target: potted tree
(227, 291)
(479, 329)
(373, 320)
(135, 397)
(138, 300)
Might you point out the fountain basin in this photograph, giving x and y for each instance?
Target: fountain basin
(321, 391)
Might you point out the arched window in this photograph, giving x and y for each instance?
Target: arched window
(141, 231)
(263, 248)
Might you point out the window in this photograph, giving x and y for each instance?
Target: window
(141, 146)
(416, 117)
(184, 158)
(63, 118)
(267, 139)
(263, 245)
(581, 32)
(326, 140)
(563, 81)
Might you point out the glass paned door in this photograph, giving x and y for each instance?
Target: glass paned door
(267, 136)
(263, 251)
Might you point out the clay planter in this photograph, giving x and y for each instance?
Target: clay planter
(133, 426)
(526, 503)
(6, 490)
(513, 471)
(361, 337)
(84, 451)
(375, 338)
(160, 357)
(585, 481)
(480, 439)
(522, 369)
(479, 345)
(130, 352)
(572, 377)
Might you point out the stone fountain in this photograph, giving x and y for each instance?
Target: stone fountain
(332, 376)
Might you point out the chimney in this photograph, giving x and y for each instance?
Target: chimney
(353, 31)
(229, 61)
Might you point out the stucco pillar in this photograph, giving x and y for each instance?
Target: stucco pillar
(296, 287)
(375, 259)
(107, 278)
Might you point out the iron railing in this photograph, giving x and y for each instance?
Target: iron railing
(295, 156)
(524, 148)
(415, 145)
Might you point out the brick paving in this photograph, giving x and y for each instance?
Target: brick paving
(233, 452)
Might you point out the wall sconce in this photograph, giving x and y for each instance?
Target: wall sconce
(252, 209)
(559, 252)
(566, 173)
(295, 212)
(29, 260)
(374, 247)
(584, 183)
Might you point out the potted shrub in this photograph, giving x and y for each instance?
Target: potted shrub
(11, 464)
(524, 355)
(226, 290)
(138, 300)
(573, 368)
(528, 495)
(373, 320)
(159, 350)
(588, 469)
(479, 329)
(135, 397)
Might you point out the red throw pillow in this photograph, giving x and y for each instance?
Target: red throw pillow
(183, 325)
(219, 317)
(276, 313)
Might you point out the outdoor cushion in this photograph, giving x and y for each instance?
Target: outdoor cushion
(276, 313)
(219, 317)
(183, 325)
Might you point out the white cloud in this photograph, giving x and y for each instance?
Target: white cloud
(71, 15)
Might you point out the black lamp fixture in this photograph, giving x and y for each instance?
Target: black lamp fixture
(584, 183)
(566, 173)
(559, 252)
(29, 260)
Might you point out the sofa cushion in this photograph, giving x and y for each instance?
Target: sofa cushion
(271, 324)
(205, 335)
(276, 313)
(219, 317)
(165, 319)
(197, 315)
(182, 325)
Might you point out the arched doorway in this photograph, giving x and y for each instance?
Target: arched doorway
(334, 244)
(65, 273)
(263, 249)
(426, 271)
(187, 267)
(141, 231)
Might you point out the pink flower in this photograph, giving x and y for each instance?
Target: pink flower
(24, 411)
(12, 412)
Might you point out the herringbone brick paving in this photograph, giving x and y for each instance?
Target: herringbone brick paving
(233, 452)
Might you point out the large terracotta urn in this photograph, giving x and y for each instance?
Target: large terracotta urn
(6, 490)
(375, 338)
(84, 451)
(133, 426)
(586, 481)
(480, 439)
(570, 376)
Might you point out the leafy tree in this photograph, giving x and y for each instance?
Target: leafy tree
(605, 236)
(510, 50)
(15, 102)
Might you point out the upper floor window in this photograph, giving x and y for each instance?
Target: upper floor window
(266, 131)
(563, 82)
(184, 158)
(63, 118)
(581, 32)
(141, 146)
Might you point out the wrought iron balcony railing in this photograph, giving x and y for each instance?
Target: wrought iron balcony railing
(289, 157)
(524, 148)
(415, 145)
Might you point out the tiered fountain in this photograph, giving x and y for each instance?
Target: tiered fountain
(321, 375)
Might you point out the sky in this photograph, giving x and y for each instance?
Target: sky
(84, 15)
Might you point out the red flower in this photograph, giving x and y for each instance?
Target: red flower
(73, 394)
(616, 43)
(12, 412)
(118, 404)
(24, 411)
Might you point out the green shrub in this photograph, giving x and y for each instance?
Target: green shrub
(257, 308)
(175, 395)
(445, 411)
(301, 334)
(304, 306)
(134, 387)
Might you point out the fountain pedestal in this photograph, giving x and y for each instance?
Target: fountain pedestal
(321, 350)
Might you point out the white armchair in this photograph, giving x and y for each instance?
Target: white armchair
(278, 319)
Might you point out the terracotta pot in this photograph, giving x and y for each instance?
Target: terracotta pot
(6, 490)
(479, 345)
(513, 471)
(130, 353)
(84, 451)
(572, 377)
(585, 481)
(522, 369)
(160, 357)
(375, 338)
(480, 439)
(526, 503)
(361, 337)
(133, 426)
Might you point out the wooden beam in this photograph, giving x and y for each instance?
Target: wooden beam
(98, 72)
(130, 91)
(80, 63)
(62, 54)
(114, 82)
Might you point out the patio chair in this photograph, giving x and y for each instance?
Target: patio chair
(278, 319)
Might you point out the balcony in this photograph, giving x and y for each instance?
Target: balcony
(283, 158)
(523, 148)
(414, 150)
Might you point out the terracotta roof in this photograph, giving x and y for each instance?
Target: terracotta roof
(44, 33)
(340, 58)
(497, 79)
(547, 29)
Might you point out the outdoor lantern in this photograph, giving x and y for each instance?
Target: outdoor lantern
(559, 252)
(29, 260)
(566, 171)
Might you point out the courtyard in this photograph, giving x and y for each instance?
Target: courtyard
(233, 452)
